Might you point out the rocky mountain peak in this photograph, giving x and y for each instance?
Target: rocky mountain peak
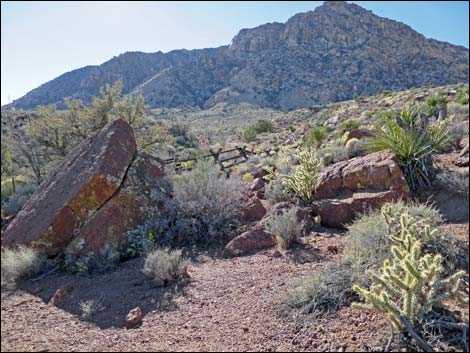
(334, 52)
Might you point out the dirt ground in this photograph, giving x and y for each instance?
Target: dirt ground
(226, 305)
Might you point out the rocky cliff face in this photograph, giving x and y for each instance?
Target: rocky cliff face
(333, 53)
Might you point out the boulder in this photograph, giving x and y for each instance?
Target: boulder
(463, 158)
(376, 171)
(348, 188)
(257, 184)
(259, 238)
(107, 229)
(359, 134)
(134, 316)
(256, 238)
(252, 207)
(82, 183)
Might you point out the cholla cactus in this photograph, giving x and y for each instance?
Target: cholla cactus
(409, 284)
(303, 181)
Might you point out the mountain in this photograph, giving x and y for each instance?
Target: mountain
(332, 53)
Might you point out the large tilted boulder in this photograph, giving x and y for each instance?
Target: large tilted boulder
(106, 229)
(350, 187)
(89, 202)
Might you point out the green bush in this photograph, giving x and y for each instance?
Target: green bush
(249, 134)
(368, 245)
(462, 96)
(263, 126)
(349, 125)
(413, 140)
(316, 136)
(203, 209)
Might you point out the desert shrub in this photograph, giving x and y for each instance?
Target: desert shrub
(263, 126)
(9, 187)
(368, 245)
(286, 227)
(434, 103)
(453, 181)
(249, 134)
(456, 131)
(303, 181)
(316, 136)
(410, 284)
(413, 140)
(336, 149)
(462, 96)
(16, 201)
(247, 177)
(356, 147)
(203, 209)
(276, 191)
(458, 111)
(164, 265)
(20, 262)
(328, 159)
(349, 125)
(325, 291)
(208, 201)
(89, 308)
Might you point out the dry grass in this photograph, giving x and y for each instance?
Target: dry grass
(286, 227)
(20, 262)
(163, 265)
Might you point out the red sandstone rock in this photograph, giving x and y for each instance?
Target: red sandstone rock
(252, 208)
(351, 187)
(134, 316)
(257, 238)
(107, 228)
(85, 180)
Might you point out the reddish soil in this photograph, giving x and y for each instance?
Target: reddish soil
(227, 304)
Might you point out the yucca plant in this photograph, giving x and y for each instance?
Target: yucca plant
(413, 140)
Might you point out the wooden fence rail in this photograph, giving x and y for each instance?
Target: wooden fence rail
(241, 157)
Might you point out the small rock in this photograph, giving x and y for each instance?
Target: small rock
(57, 297)
(332, 249)
(134, 316)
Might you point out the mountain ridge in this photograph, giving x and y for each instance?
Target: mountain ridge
(332, 53)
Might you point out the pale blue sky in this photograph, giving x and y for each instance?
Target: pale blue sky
(42, 40)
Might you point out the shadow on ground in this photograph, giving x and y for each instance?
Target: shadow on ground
(117, 292)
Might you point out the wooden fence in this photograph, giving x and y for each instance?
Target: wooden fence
(219, 157)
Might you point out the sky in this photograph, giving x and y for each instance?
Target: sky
(42, 40)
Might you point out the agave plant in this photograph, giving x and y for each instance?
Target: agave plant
(413, 140)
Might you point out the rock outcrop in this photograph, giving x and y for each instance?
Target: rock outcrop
(350, 187)
(257, 237)
(87, 204)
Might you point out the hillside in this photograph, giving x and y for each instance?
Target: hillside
(333, 53)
